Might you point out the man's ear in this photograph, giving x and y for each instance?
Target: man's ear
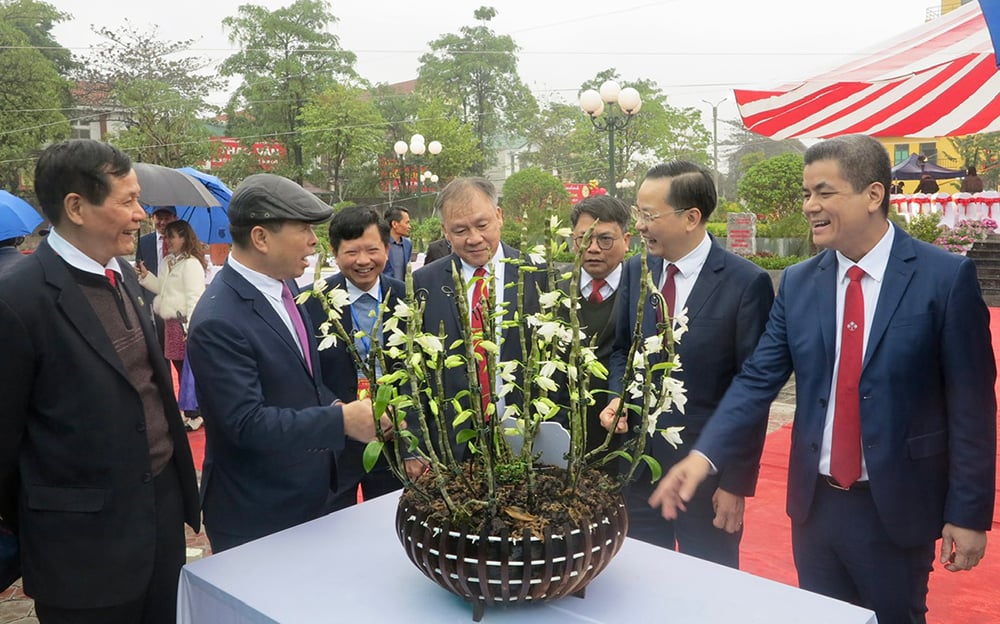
(260, 238)
(73, 207)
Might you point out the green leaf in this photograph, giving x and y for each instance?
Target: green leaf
(462, 416)
(465, 435)
(373, 450)
(654, 468)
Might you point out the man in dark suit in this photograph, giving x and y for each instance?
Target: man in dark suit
(437, 249)
(150, 252)
(359, 238)
(726, 300)
(893, 443)
(400, 245)
(600, 225)
(9, 253)
(95, 469)
(272, 427)
(472, 220)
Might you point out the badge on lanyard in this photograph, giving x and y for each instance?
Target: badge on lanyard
(364, 388)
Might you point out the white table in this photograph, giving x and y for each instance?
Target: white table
(350, 567)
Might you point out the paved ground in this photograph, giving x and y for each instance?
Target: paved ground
(16, 608)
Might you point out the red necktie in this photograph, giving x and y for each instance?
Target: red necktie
(111, 277)
(845, 450)
(480, 299)
(595, 290)
(165, 250)
(669, 292)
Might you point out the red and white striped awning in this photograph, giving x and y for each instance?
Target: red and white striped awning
(939, 79)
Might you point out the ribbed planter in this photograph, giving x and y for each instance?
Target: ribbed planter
(490, 569)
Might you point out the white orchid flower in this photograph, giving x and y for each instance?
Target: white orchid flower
(653, 344)
(508, 371)
(430, 343)
(564, 232)
(549, 299)
(546, 383)
(402, 310)
(537, 254)
(672, 435)
(329, 340)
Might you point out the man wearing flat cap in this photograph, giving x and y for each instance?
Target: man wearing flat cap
(272, 428)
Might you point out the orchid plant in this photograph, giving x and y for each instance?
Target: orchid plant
(553, 380)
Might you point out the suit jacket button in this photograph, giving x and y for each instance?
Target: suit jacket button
(814, 447)
(140, 427)
(147, 477)
(822, 402)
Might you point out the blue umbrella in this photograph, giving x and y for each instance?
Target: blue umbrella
(210, 224)
(17, 217)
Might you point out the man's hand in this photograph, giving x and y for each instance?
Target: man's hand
(608, 417)
(961, 549)
(415, 467)
(358, 421)
(728, 511)
(677, 488)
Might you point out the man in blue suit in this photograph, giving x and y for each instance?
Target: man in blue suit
(400, 245)
(472, 220)
(272, 427)
(150, 251)
(893, 443)
(726, 300)
(359, 238)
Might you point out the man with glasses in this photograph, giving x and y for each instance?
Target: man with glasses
(600, 227)
(726, 300)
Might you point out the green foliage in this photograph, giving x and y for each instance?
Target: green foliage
(773, 188)
(717, 229)
(34, 93)
(771, 262)
(341, 127)
(425, 231)
(161, 95)
(530, 198)
(924, 227)
(474, 72)
(747, 149)
(981, 151)
(286, 56)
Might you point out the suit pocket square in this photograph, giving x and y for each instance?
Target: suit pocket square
(927, 445)
(47, 498)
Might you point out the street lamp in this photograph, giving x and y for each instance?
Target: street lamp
(593, 103)
(417, 147)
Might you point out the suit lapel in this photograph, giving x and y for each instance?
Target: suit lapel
(824, 293)
(708, 281)
(649, 314)
(263, 309)
(898, 273)
(77, 309)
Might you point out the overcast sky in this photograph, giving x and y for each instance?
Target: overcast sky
(693, 49)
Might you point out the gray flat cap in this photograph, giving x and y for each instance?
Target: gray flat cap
(268, 197)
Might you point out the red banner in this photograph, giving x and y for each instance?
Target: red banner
(268, 154)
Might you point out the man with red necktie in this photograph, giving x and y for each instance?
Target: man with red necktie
(726, 300)
(472, 220)
(96, 474)
(272, 428)
(894, 438)
(150, 252)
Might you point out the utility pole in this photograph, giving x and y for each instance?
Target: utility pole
(715, 139)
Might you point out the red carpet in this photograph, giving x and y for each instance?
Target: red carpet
(955, 598)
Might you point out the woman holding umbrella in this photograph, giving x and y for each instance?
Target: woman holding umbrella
(177, 292)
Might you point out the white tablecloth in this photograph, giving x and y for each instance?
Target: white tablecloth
(350, 567)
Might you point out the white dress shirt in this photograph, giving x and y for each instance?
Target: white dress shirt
(271, 289)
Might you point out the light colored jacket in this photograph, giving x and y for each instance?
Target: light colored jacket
(179, 290)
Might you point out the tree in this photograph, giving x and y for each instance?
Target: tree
(33, 94)
(773, 187)
(530, 198)
(161, 96)
(286, 56)
(981, 151)
(341, 126)
(746, 149)
(569, 144)
(475, 71)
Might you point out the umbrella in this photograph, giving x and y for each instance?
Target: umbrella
(17, 217)
(211, 224)
(913, 168)
(939, 79)
(163, 186)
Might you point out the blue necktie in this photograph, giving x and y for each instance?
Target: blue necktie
(364, 317)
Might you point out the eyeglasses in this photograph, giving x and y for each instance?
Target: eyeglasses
(604, 241)
(641, 216)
